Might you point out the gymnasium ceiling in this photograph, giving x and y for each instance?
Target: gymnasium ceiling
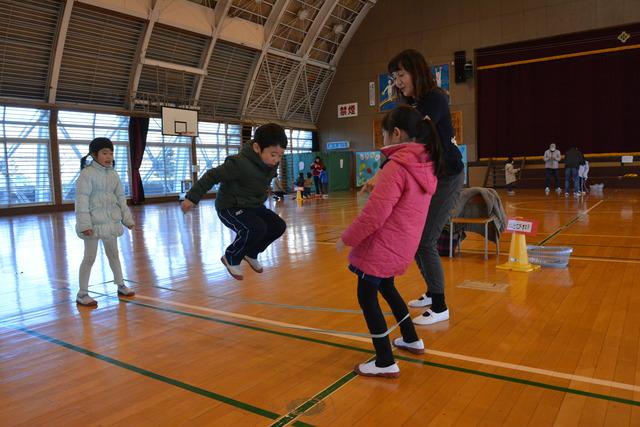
(249, 60)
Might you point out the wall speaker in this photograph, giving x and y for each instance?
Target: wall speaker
(468, 70)
(460, 59)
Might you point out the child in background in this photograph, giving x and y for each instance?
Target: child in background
(299, 185)
(324, 181)
(308, 181)
(386, 233)
(245, 179)
(510, 176)
(277, 189)
(101, 210)
(583, 174)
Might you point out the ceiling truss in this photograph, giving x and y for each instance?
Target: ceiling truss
(249, 60)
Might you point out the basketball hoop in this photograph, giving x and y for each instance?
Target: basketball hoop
(185, 133)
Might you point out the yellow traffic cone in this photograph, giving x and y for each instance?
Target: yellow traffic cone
(518, 258)
(299, 197)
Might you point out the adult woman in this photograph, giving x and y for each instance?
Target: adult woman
(416, 86)
(316, 169)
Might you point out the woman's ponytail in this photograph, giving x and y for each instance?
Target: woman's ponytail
(433, 143)
(83, 162)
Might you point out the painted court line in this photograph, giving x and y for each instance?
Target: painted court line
(453, 368)
(250, 318)
(197, 390)
(568, 224)
(511, 366)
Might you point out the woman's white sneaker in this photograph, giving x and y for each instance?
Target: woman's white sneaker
(371, 370)
(416, 347)
(430, 317)
(422, 301)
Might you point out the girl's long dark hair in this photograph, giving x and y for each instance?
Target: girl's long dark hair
(414, 63)
(421, 129)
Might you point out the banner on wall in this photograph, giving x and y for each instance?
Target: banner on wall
(377, 133)
(367, 165)
(386, 92)
(441, 75)
(463, 151)
(456, 122)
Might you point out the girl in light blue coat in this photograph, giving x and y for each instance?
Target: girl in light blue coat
(101, 210)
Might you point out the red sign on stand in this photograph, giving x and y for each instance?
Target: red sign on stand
(528, 227)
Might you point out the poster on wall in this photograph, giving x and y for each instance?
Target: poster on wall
(367, 165)
(456, 122)
(463, 151)
(441, 74)
(386, 92)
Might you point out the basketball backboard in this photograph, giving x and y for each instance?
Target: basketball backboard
(179, 121)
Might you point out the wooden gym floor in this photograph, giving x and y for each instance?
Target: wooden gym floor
(196, 347)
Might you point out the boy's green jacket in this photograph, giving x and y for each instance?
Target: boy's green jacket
(244, 181)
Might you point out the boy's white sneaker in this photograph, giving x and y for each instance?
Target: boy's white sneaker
(86, 300)
(255, 264)
(371, 370)
(558, 190)
(125, 290)
(430, 317)
(422, 301)
(234, 270)
(547, 191)
(416, 347)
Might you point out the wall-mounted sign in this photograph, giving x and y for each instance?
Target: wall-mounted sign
(347, 110)
(372, 94)
(338, 145)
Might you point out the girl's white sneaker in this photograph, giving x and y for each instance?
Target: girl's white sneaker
(86, 300)
(370, 369)
(125, 291)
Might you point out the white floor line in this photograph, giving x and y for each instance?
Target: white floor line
(618, 260)
(528, 369)
(592, 207)
(249, 318)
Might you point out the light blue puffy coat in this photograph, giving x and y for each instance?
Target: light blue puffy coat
(100, 203)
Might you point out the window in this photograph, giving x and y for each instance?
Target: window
(166, 162)
(24, 160)
(299, 141)
(214, 143)
(75, 132)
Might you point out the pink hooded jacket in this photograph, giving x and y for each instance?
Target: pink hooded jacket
(386, 233)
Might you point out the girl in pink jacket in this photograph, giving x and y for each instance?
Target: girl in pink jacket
(386, 233)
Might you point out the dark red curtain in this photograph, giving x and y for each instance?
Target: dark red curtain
(590, 101)
(138, 128)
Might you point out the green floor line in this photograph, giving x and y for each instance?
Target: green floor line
(405, 358)
(564, 227)
(197, 390)
(522, 381)
(300, 410)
